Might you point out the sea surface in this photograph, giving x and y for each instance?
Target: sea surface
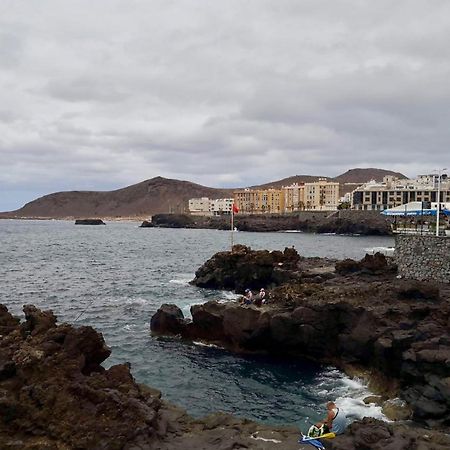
(115, 277)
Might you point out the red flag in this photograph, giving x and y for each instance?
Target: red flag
(235, 209)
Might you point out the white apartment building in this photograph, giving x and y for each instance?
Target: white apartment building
(221, 206)
(392, 192)
(205, 206)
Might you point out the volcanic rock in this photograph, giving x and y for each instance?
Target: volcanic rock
(54, 394)
(374, 434)
(89, 222)
(168, 320)
(371, 264)
(363, 317)
(246, 268)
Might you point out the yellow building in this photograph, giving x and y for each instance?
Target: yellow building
(294, 197)
(259, 201)
(322, 195)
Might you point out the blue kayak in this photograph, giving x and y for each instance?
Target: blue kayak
(314, 442)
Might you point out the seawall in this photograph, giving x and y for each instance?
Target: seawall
(423, 257)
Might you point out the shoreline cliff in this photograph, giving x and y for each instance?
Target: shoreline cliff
(339, 222)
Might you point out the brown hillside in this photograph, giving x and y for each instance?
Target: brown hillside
(364, 175)
(157, 195)
(288, 181)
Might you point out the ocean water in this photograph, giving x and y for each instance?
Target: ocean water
(115, 277)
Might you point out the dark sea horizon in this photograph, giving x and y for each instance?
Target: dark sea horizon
(115, 277)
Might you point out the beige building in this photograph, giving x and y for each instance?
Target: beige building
(199, 206)
(259, 201)
(294, 197)
(392, 192)
(322, 195)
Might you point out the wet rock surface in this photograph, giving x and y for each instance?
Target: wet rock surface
(395, 331)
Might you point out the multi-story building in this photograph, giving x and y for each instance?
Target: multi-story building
(393, 192)
(294, 197)
(259, 201)
(205, 206)
(322, 195)
(221, 206)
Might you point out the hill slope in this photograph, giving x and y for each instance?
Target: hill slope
(157, 195)
(363, 175)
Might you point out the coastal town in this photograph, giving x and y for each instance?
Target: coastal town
(326, 195)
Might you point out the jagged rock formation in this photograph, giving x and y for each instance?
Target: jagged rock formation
(362, 316)
(244, 268)
(54, 394)
(377, 435)
(340, 222)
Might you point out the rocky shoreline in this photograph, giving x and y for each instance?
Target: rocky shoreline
(356, 315)
(56, 395)
(339, 222)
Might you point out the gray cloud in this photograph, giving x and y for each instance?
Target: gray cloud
(105, 94)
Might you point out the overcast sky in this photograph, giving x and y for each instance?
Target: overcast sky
(101, 94)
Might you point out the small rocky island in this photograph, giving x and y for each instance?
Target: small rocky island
(89, 222)
(356, 315)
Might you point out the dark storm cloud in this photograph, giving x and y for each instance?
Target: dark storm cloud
(231, 93)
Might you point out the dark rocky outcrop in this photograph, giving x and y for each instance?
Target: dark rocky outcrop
(89, 222)
(245, 268)
(376, 264)
(340, 222)
(170, 221)
(372, 434)
(363, 318)
(55, 394)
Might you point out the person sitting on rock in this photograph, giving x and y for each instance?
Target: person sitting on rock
(262, 295)
(335, 422)
(248, 297)
(258, 300)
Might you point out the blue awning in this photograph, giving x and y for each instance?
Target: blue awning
(413, 212)
(410, 212)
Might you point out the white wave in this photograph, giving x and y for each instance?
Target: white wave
(182, 281)
(229, 295)
(349, 393)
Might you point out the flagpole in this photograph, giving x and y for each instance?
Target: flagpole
(232, 227)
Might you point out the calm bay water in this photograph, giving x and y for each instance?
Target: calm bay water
(115, 277)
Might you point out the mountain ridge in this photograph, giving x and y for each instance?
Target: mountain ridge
(153, 196)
